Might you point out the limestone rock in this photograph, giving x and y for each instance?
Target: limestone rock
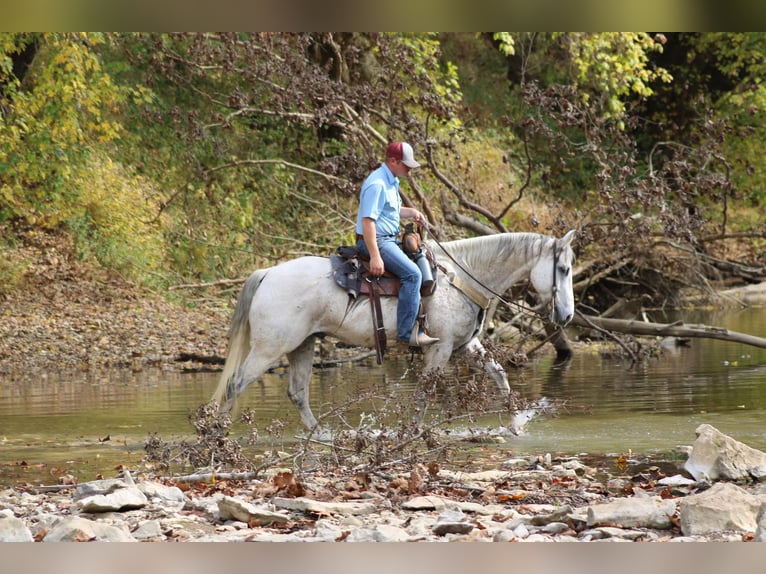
(452, 522)
(724, 506)
(96, 487)
(147, 530)
(760, 531)
(121, 499)
(230, 507)
(78, 529)
(13, 529)
(676, 480)
(715, 455)
(156, 490)
(653, 512)
(425, 503)
(325, 508)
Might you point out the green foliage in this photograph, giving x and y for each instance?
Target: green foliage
(612, 65)
(54, 119)
(115, 220)
(197, 156)
(739, 58)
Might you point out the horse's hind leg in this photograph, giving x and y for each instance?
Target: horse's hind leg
(248, 372)
(301, 361)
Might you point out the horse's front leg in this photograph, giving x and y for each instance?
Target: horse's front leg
(301, 360)
(478, 355)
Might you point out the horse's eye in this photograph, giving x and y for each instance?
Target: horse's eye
(564, 270)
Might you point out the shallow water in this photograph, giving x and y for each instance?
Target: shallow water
(89, 423)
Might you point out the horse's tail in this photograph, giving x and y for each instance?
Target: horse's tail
(239, 341)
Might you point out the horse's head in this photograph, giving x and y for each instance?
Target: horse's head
(551, 277)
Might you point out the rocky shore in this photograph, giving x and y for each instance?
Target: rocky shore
(716, 497)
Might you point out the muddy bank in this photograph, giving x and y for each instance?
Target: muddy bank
(66, 315)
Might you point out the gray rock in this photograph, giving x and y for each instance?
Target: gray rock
(503, 536)
(327, 531)
(760, 530)
(610, 532)
(452, 522)
(724, 506)
(425, 503)
(717, 456)
(13, 529)
(163, 492)
(633, 512)
(129, 498)
(234, 508)
(324, 508)
(555, 528)
(147, 530)
(389, 533)
(78, 529)
(676, 480)
(556, 516)
(96, 487)
(521, 531)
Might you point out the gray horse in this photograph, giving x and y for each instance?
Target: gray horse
(282, 309)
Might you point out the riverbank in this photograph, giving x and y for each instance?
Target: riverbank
(537, 499)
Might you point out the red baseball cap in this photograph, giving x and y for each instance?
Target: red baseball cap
(403, 152)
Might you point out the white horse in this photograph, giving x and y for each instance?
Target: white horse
(282, 309)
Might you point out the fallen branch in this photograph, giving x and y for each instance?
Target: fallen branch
(677, 329)
(319, 364)
(218, 283)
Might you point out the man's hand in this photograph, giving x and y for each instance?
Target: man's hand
(376, 266)
(376, 262)
(412, 213)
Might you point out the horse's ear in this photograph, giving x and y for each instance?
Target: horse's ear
(567, 239)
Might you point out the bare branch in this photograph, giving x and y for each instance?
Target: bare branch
(525, 184)
(455, 190)
(283, 162)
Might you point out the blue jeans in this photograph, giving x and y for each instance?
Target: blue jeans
(397, 262)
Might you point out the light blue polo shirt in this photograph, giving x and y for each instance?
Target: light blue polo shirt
(380, 200)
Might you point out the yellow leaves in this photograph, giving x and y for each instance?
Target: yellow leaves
(616, 64)
(119, 207)
(506, 43)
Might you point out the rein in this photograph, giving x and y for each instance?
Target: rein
(499, 297)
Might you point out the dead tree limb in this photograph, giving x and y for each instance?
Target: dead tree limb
(677, 329)
(218, 283)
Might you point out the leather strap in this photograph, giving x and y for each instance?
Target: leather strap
(470, 291)
(379, 331)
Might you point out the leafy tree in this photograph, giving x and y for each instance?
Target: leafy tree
(271, 134)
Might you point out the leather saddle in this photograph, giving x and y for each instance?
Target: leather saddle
(351, 271)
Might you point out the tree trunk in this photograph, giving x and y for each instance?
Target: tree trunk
(677, 329)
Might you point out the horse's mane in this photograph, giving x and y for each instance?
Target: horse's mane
(498, 247)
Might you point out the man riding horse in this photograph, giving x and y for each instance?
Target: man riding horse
(377, 231)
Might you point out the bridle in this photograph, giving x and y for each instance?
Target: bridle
(554, 287)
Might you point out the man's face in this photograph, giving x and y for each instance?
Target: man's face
(399, 169)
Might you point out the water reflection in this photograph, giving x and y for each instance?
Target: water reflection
(89, 422)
